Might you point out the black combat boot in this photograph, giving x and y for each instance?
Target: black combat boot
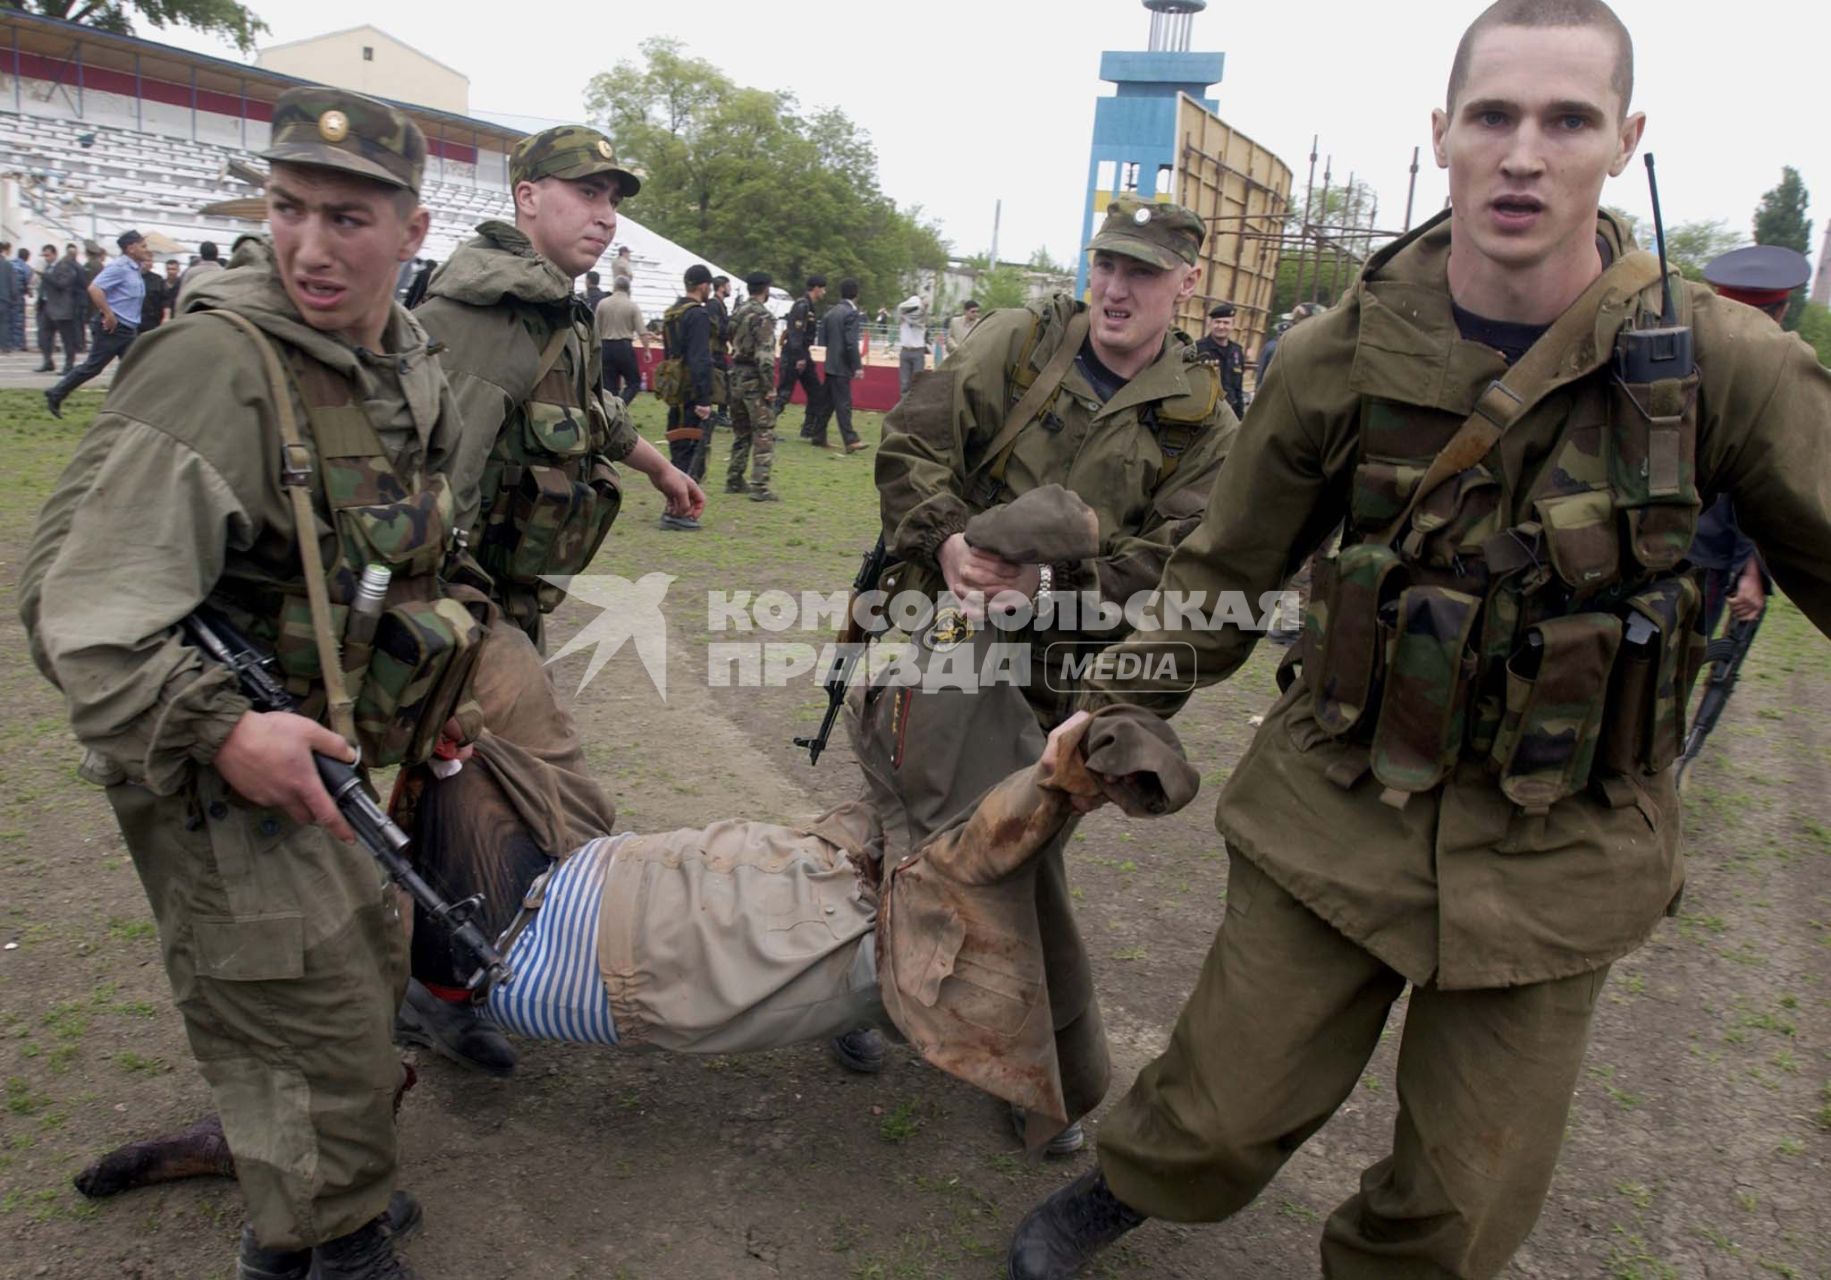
(861, 1049)
(255, 1263)
(367, 1253)
(1063, 1233)
(455, 1031)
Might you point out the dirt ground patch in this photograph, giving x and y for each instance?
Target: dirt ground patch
(1697, 1147)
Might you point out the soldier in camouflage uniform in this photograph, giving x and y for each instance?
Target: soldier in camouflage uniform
(533, 473)
(753, 372)
(282, 939)
(1466, 787)
(1105, 400)
(536, 487)
(1135, 425)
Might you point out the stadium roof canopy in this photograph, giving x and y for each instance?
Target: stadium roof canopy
(86, 57)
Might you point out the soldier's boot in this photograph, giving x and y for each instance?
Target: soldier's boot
(255, 1263)
(861, 1049)
(1063, 1233)
(367, 1253)
(764, 495)
(454, 1031)
(736, 486)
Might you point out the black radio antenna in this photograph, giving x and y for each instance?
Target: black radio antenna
(1669, 314)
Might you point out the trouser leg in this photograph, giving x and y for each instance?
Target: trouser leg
(819, 405)
(287, 959)
(1275, 1035)
(107, 347)
(839, 390)
(740, 442)
(1484, 1084)
(762, 439)
(683, 436)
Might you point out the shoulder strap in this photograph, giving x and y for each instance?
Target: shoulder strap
(549, 355)
(1532, 377)
(296, 478)
(1040, 393)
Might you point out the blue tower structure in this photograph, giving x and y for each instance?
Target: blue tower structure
(1135, 144)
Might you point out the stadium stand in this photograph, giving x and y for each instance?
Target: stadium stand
(102, 132)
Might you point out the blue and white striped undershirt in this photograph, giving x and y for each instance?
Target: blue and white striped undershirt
(557, 992)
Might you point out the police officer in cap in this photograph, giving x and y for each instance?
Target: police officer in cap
(1762, 276)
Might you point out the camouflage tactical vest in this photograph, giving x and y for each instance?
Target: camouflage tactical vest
(752, 333)
(1542, 624)
(1174, 424)
(412, 675)
(549, 495)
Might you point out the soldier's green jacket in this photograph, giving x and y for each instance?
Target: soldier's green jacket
(1460, 886)
(180, 472)
(494, 304)
(1106, 453)
(753, 339)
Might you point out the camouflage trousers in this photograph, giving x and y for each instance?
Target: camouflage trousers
(1276, 1036)
(753, 428)
(287, 959)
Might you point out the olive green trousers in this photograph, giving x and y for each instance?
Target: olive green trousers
(1276, 1035)
(287, 959)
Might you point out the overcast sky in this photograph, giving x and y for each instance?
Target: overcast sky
(970, 101)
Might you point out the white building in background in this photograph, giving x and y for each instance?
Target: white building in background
(369, 60)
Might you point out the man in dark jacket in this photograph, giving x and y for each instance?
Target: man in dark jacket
(686, 335)
(1218, 348)
(799, 333)
(840, 328)
(61, 286)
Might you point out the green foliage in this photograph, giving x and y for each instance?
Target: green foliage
(1310, 271)
(1002, 286)
(1691, 245)
(1815, 328)
(744, 177)
(235, 22)
(1041, 261)
(1781, 219)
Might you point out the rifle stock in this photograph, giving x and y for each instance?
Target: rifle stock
(1725, 656)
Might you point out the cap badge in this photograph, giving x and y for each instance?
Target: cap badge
(333, 126)
(1142, 216)
(604, 150)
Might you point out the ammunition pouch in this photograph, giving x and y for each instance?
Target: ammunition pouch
(554, 526)
(1418, 738)
(1651, 447)
(671, 382)
(1661, 654)
(1557, 690)
(1346, 631)
(418, 675)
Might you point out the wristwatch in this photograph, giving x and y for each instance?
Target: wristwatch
(1045, 583)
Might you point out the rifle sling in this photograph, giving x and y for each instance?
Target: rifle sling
(296, 478)
(1530, 379)
(1040, 393)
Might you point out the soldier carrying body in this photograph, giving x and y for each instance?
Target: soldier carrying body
(1466, 787)
(282, 939)
(536, 487)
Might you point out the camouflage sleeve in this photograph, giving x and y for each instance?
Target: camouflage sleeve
(1763, 409)
(133, 539)
(622, 436)
(483, 406)
(1284, 486)
(927, 437)
(1134, 562)
(766, 347)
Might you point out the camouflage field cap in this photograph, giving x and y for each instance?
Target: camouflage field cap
(337, 129)
(568, 151)
(1164, 235)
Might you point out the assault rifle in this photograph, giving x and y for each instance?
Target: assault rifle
(851, 647)
(375, 830)
(1725, 655)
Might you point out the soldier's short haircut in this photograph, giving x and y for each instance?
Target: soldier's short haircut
(591, 277)
(207, 251)
(816, 281)
(848, 288)
(971, 304)
(1548, 13)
